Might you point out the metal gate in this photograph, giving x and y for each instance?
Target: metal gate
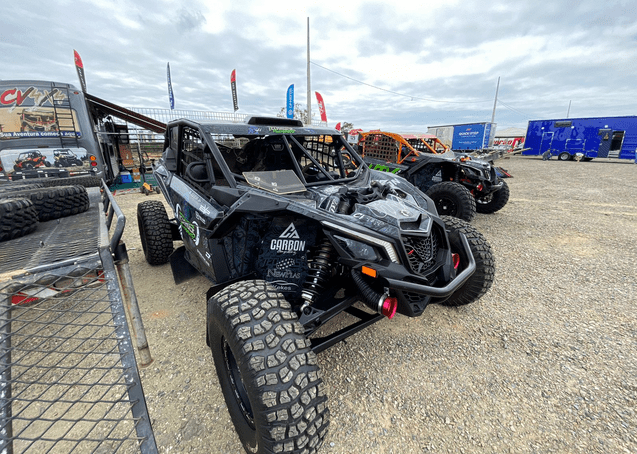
(68, 375)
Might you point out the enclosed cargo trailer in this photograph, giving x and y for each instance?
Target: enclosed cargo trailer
(472, 136)
(586, 138)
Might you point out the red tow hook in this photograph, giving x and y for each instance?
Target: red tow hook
(456, 260)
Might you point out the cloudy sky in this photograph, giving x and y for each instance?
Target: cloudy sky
(377, 65)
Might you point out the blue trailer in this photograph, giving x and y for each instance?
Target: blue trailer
(464, 137)
(603, 137)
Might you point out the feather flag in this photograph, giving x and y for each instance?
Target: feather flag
(79, 66)
(290, 102)
(233, 85)
(171, 96)
(321, 105)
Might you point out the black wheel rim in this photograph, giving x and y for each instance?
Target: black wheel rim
(484, 200)
(236, 383)
(446, 206)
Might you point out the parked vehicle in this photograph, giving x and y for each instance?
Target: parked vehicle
(47, 116)
(458, 185)
(292, 228)
(603, 137)
(465, 137)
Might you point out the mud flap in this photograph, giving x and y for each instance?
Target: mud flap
(182, 269)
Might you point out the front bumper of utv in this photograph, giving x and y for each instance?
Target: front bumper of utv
(414, 292)
(413, 295)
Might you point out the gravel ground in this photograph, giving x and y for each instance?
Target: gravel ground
(545, 362)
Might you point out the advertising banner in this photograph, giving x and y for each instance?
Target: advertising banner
(290, 102)
(52, 161)
(171, 97)
(321, 106)
(28, 111)
(79, 66)
(233, 85)
(468, 137)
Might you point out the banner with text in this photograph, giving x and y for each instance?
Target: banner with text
(171, 96)
(290, 102)
(321, 105)
(79, 66)
(233, 84)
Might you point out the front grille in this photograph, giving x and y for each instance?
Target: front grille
(421, 252)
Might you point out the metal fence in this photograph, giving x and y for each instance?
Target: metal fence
(68, 374)
(166, 115)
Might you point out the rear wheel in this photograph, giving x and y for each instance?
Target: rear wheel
(453, 199)
(154, 231)
(564, 156)
(267, 371)
(482, 279)
(494, 201)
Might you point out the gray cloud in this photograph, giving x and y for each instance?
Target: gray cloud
(546, 55)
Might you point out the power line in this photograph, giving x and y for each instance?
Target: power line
(513, 109)
(396, 93)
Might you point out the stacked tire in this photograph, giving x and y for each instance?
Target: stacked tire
(22, 206)
(17, 218)
(87, 181)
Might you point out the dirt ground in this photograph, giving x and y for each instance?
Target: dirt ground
(545, 362)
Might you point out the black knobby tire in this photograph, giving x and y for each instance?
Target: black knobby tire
(154, 232)
(87, 181)
(453, 199)
(268, 373)
(56, 202)
(494, 201)
(17, 218)
(482, 279)
(564, 156)
(13, 187)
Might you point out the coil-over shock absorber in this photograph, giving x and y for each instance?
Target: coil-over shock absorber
(318, 273)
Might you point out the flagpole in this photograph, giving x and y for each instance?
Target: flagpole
(496, 101)
(309, 87)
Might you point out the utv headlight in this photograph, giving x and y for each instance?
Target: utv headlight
(386, 245)
(356, 249)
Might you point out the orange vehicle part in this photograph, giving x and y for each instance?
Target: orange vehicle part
(397, 148)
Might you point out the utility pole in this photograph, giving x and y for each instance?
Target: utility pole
(309, 86)
(569, 108)
(496, 101)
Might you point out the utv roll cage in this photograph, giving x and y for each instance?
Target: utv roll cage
(231, 152)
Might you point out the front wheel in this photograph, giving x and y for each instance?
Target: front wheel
(154, 232)
(564, 156)
(267, 371)
(482, 279)
(453, 199)
(494, 201)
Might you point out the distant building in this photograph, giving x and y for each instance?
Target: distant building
(509, 138)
